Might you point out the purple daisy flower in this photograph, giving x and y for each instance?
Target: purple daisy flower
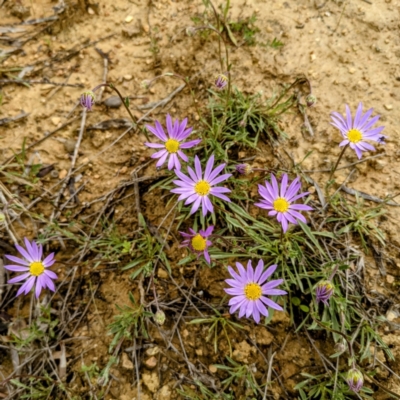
(221, 81)
(324, 291)
(198, 242)
(355, 379)
(172, 146)
(356, 132)
(280, 202)
(249, 290)
(87, 100)
(196, 189)
(35, 270)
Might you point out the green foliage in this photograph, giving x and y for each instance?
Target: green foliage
(218, 323)
(129, 323)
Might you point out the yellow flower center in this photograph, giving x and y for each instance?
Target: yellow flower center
(199, 243)
(281, 204)
(172, 145)
(252, 291)
(36, 268)
(202, 188)
(354, 135)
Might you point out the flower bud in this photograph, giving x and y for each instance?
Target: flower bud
(221, 81)
(145, 84)
(311, 100)
(324, 291)
(87, 100)
(244, 169)
(190, 31)
(355, 379)
(159, 317)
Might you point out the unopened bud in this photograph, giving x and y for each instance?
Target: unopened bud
(145, 84)
(221, 81)
(355, 379)
(244, 169)
(190, 31)
(311, 100)
(87, 100)
(159, 317)
(324, 291)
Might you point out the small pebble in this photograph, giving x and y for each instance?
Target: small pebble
(213, 369)
(113, 102)
(128, 19)
(55, 120)
(128, 77)
(388, 107)
(62, 174)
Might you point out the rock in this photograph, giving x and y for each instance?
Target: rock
(98, 140)
(389, 279)
(162, 273)
(151, 381)
(126, 361)
(213, 369)
(20, 11)
(55, 120)
(165, 393)
(263, 336)
(281, 317)
(69, 145)
(128, 77)
(63, 173)
(152, 351)
(242, 352)
(129, 19)
(151, 363)
(388, 107)
(113, 102)
(199, 352)
(391, 316)
(130, 33)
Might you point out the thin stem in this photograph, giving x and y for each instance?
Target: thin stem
(110, 85)
(338, 161)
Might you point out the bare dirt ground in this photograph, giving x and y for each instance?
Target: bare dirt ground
(350, 51)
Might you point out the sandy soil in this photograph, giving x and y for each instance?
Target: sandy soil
(349, 50)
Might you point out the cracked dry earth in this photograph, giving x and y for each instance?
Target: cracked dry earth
(349, 50)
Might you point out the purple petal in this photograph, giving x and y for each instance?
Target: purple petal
(154, 145)
(270, 270)
(19, 278)
(188, 145)
(271, 303)
(197, 166)
(209, 167)
(16, 268)
(24, 253)
(17, 260)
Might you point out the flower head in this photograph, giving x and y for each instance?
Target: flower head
(198, 242)
(356, 131)
(87, 100)
(281, 200)
(221, 80)
(249, 290)
(35, 270)
(355, 379)
(197, 189)
(324, 291)
(173, 143)
(244, 169)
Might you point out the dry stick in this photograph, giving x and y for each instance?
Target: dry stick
(271, 358)
(105, 72)
(174, 329)
(55, 214)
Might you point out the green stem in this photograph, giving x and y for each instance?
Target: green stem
(337, 162)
